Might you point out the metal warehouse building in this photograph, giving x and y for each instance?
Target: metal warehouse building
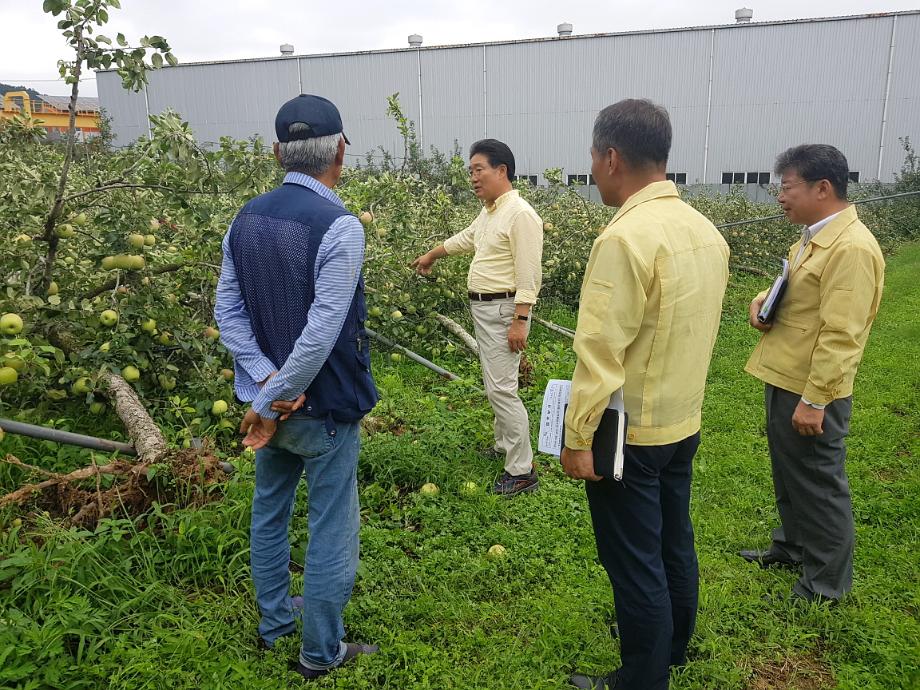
(738, 94)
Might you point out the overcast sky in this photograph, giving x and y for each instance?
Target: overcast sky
(30, 44)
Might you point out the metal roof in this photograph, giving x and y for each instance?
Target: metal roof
(63, 102)
(545, 39)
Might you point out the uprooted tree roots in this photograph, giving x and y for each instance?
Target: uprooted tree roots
(159, 474)
(84, 496)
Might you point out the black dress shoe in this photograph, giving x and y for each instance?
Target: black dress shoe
(767, 558)
(608, 682)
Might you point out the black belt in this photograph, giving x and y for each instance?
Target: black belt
(489, 296)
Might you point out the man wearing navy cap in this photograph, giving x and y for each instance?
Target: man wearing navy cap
(291, 311)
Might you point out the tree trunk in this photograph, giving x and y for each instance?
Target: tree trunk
(143, 432)
(458, 330)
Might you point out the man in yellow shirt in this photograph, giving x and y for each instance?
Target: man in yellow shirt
(807, 358)
(651, 302)
(506, 240)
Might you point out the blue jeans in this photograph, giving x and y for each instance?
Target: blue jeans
(328, 454)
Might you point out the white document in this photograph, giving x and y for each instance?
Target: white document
(552, 418)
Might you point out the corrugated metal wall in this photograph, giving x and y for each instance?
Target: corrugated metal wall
(772, 86)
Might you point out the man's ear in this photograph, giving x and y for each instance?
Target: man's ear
(276, 149)
(340, 153)
(613, 161)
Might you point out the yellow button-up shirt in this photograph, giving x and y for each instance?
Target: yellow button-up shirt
(651, 302)
(823, 321)
(507, 241)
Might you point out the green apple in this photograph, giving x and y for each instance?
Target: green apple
(13, 362)
(17, 522)
(382, 232)
(396, 315)
(219, 407)
(8, 376)
(97, 407)
(396, 357)
(149, 326)
(469, 487)
(65, 231)
(421, 330)
(135, 262)
(11, 324)
(22, 238)
(211, 333)
(81, 386)
(108, 263)
(108, 318)
(80, 219)
(53, 289)
(227, 374)
(496, 551)
(366, 218)
(375, 312)
(130, 373)
(105, 347)
(429, 489)
(150, 240)
(167, 383)
(165, 338)
(136, 240)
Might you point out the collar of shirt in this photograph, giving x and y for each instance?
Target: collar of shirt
(809, 231)
(502, 200)
(653, 190)
(314, 184)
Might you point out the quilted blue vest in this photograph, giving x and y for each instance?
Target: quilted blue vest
(274, 240)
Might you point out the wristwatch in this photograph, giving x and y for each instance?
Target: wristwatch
(521, 317)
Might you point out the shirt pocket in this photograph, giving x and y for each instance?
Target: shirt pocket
(595, 301)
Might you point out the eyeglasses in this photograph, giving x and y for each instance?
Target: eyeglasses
(788, 186)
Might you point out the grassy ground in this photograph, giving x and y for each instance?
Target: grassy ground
(171, 606)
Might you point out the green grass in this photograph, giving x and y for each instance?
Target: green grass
(171, 606)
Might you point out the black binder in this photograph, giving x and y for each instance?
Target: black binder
(608, 440)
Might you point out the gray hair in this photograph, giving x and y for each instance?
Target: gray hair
(638, 129)
(312, 156)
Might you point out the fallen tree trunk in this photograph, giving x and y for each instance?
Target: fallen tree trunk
(142, 430)
(458, 330)
(23, 493)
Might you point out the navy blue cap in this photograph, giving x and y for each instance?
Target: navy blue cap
(319, 115)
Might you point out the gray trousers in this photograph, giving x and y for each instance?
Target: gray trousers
(491, 321)
(812, 495)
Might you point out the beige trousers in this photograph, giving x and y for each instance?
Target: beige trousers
(491, 321)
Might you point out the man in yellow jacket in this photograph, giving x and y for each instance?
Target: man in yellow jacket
(651, 301)
(807, 357)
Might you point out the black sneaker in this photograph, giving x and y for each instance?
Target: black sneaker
(511, 485)
(353, 650)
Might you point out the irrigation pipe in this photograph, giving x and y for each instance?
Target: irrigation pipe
(67, 437)
(413, 356)
(783, 215)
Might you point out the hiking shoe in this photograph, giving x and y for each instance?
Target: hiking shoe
(352, 650)
(511, 485)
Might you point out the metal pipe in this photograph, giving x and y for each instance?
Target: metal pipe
(421, 120)
(712, 50)
(411, 355)
(91, 442)
(485, 96)
(881, 143)
(783, 215)
(58, 436)
(554, 327)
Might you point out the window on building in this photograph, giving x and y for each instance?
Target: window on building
(577, 179)
(745, 178)
(676, 178)
(530, 179)
(854, 176)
